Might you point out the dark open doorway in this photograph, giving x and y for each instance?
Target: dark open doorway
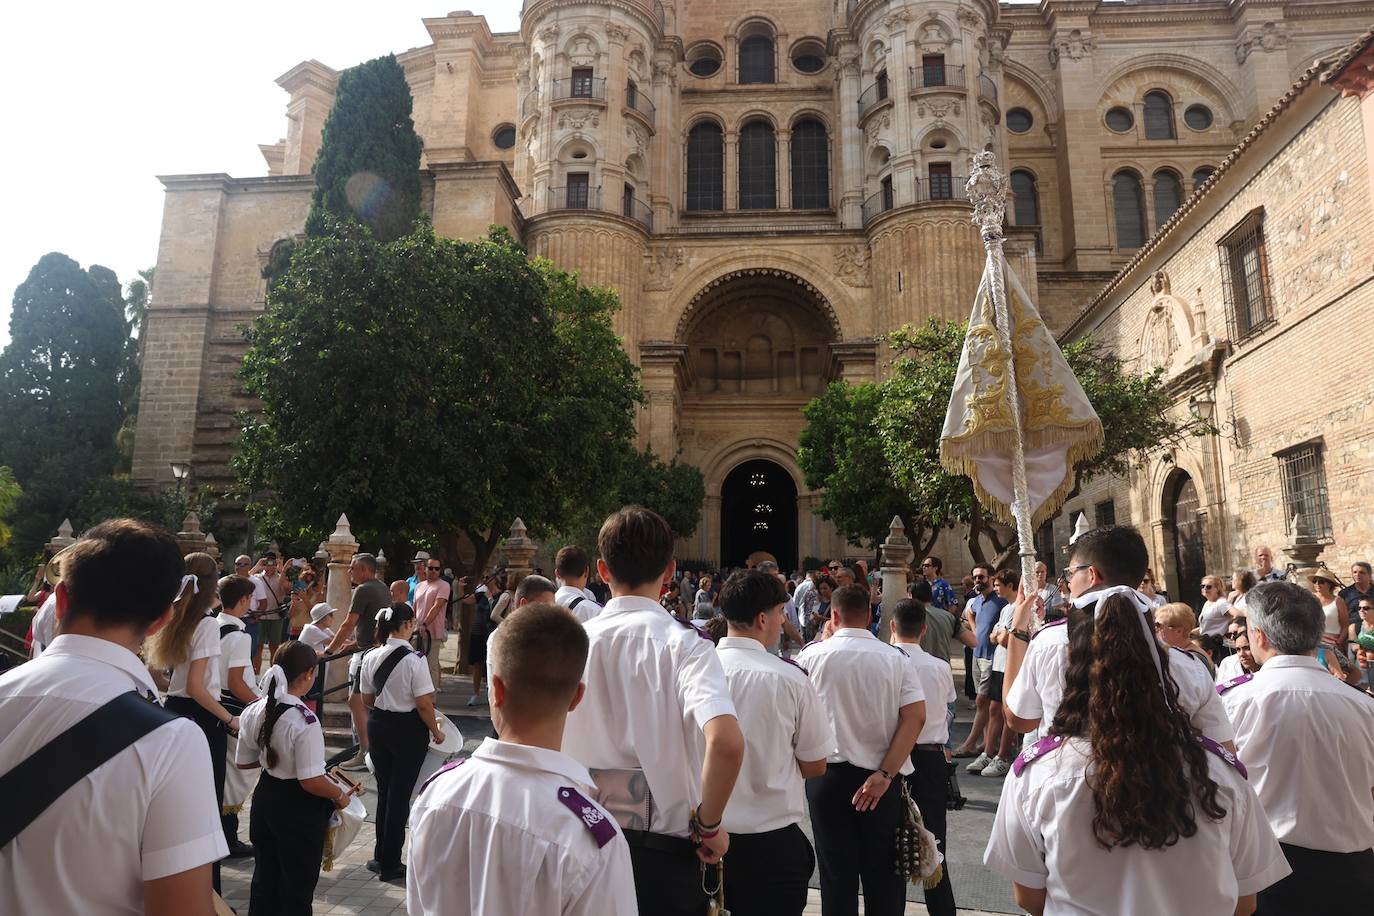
(758, 512)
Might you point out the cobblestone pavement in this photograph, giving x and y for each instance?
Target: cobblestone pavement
(351, 889)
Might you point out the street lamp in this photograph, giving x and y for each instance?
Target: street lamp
(1203, 406)
(180, 471)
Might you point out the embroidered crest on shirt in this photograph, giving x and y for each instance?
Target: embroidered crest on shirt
(1035, 752)
(1234, 682)
(601, 829)
(309, 716)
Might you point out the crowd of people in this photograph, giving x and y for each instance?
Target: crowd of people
(646, 761)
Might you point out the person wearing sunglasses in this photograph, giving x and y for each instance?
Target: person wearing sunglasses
(1216, 610)
(931, 569)
(431, 607)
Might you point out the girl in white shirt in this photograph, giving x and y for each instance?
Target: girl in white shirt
(396, 688)
(189, 646)
(1122, 801)
(294, 798)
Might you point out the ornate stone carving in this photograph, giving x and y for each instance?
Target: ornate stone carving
(877, 126)
(897, 19)
(969, 18)
(1160, 340)
(616, 32)
(849, 65)
(548, 34)
(638, 138)
(660, 265)
(576, 120)
(851, 265)
(1075, 46)
(582, 53)
(1159, 283)
(1272, 36)
(662, 69)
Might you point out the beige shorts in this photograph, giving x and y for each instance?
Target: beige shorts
(982, 676)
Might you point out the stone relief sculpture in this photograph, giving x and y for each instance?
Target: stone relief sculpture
(852, 265)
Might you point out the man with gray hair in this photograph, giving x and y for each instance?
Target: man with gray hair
(1308, 742)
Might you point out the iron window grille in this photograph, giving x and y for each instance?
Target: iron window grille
(582, 83)
(941, 181)
(577, 193)
(1168, 196)
(1307, 513)
(810, 166)
(756, 59)
(706, 167)
(1159, 117)
(758, 167)
(1128, 202)
(1025, 198)
(1245, 268)
(1104, 513)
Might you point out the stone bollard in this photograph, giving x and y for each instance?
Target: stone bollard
(519, 550)
(341, 546)
(381, 567)
(190, 538)
(896, 552)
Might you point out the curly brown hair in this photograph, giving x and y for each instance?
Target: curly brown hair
(1150, 774)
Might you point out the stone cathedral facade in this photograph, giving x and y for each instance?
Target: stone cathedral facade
(768, 187)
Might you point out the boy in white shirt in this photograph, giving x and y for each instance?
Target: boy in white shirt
(236, 692)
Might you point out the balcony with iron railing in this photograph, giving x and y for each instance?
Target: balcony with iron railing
(637, 210)
(574, 197)
(591, 89)
(529, 104)
(937, 189)
(876, 94)
(987, 89)
(936, 77)
(638, 102)
(878, 204)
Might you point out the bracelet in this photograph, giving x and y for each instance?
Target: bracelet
(885, 774)
(703, 829)
(707, 834)
(1023, 635)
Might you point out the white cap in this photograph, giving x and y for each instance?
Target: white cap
(420, 557)
(320, 612)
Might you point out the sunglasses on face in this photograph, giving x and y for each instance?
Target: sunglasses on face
(1365, 607)
(434, 568)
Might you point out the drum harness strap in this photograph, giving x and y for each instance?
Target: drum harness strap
(33, 785)
(387, 666)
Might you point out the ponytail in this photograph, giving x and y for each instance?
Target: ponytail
(170, 646)
(389, 619)
(293, 659)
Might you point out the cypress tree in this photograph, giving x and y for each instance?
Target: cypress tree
(368, 167)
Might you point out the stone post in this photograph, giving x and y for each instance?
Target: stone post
(340, 546)
(897, 553)
(381, 567)
(62, 540)
(190, 538)
(519, 550)
(211, 546)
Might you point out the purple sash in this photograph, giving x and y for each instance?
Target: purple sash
(1035, 752)
(1223, 753)
(442, 770)
(1234, 682)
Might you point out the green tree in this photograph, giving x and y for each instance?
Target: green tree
(673, 489)
(368, 167)
(841, 454)
(10, 494)
(64, 378)
(432, 388)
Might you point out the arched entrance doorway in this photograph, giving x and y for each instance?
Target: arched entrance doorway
(1183, 528)
(758, 513)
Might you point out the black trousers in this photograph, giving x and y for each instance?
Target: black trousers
(766, 873)
(287, 826)
(397, 742)
(667, 875)
(1321, 882)
(929, 787)
(218, 740)
(853, 845)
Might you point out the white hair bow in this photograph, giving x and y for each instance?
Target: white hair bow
(1143, 605)
(273, 681)
(384, 614)
(190, 580)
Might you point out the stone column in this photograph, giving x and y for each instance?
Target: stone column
(381, 566)
(896, 551)
(849, 171)
(190, 538)
(519, 550)
(731, 201)
(340, 546)
(62, 540)
(784, 169)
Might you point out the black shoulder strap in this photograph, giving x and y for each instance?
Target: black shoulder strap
(384, 670)
(32, 786)
(226, 629)
(576, 601)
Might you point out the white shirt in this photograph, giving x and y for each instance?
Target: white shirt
(1308, 742)
(408, 680)
(235, 651)
(586, 608)
(297, 739)
(1039, 687)
(864, 682)
(1230, 667)
(496, 835)
(652, 684)
(937, 683)
(783, 720)
(1000, 653)
(1212, 620)
(147, 813)
(316, 637)
(44, 625)
(204, 644)
(1043, 838)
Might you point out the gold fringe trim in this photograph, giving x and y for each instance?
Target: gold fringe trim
(958, 457)
(932, 879)
(226, 810)
(328, 863)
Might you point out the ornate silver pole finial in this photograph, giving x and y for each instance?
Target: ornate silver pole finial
(987, 189)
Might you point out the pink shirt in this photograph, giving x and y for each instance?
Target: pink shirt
(428, 596)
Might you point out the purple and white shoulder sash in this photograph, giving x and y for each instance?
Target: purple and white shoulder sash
(1035, 752)
(1223, 753)
(1234, 682)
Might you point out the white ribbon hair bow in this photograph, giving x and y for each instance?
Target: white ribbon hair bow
(384, 614)
(1143, 605)
(273, 681)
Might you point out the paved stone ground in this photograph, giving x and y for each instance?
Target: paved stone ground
(351, 889)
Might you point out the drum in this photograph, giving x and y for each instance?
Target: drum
(436, 754)
(238, 784)
(343, 824)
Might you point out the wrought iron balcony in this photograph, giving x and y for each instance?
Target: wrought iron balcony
(987, 89)
(574, 197)
(936, 76)
(941, 187)
(877, 92)
(637, 100)
(635, 209)
(530, 104)
(592, 88)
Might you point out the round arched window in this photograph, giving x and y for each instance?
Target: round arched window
(703, 61)
(1198, 117)
(504, 138)
(1120, 119)
(1019, 120)
(808, 56)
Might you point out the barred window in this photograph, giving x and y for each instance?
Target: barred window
(578, 188)
(582, 83)
(933, 70)
(881, 82)
(706, 167)
(1159, 116)
(941, 181)
(1307, 513)
(1104, 513)
(1168, 196)
(758, 167)
(810, 166)
(1245, 265)
(1128, 204)
(756, 59)
(889, 198)
(1026, 198)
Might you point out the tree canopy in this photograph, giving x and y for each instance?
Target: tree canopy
(66, 377)
(877, 446)
(368, 167)
(433, 386)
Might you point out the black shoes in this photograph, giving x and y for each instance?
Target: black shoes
(374, 866)
(239, 850)
(393, 875)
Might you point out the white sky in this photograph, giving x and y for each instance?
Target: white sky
(99, 97)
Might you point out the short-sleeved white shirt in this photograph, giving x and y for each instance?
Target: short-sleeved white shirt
(1043, 838)
(204, 644)
(1000, 653)
(497, 835)
(1229, 667)
(408, 680)
(1215, 614)
(783, 721)
(653, 683)
(44, 625)
(235, 650)
(937, 682)
(864, 682)
(586, 609)
(147, 813)
(1039, 687)
(297, 739)
(1308, 742)
(316, 637)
